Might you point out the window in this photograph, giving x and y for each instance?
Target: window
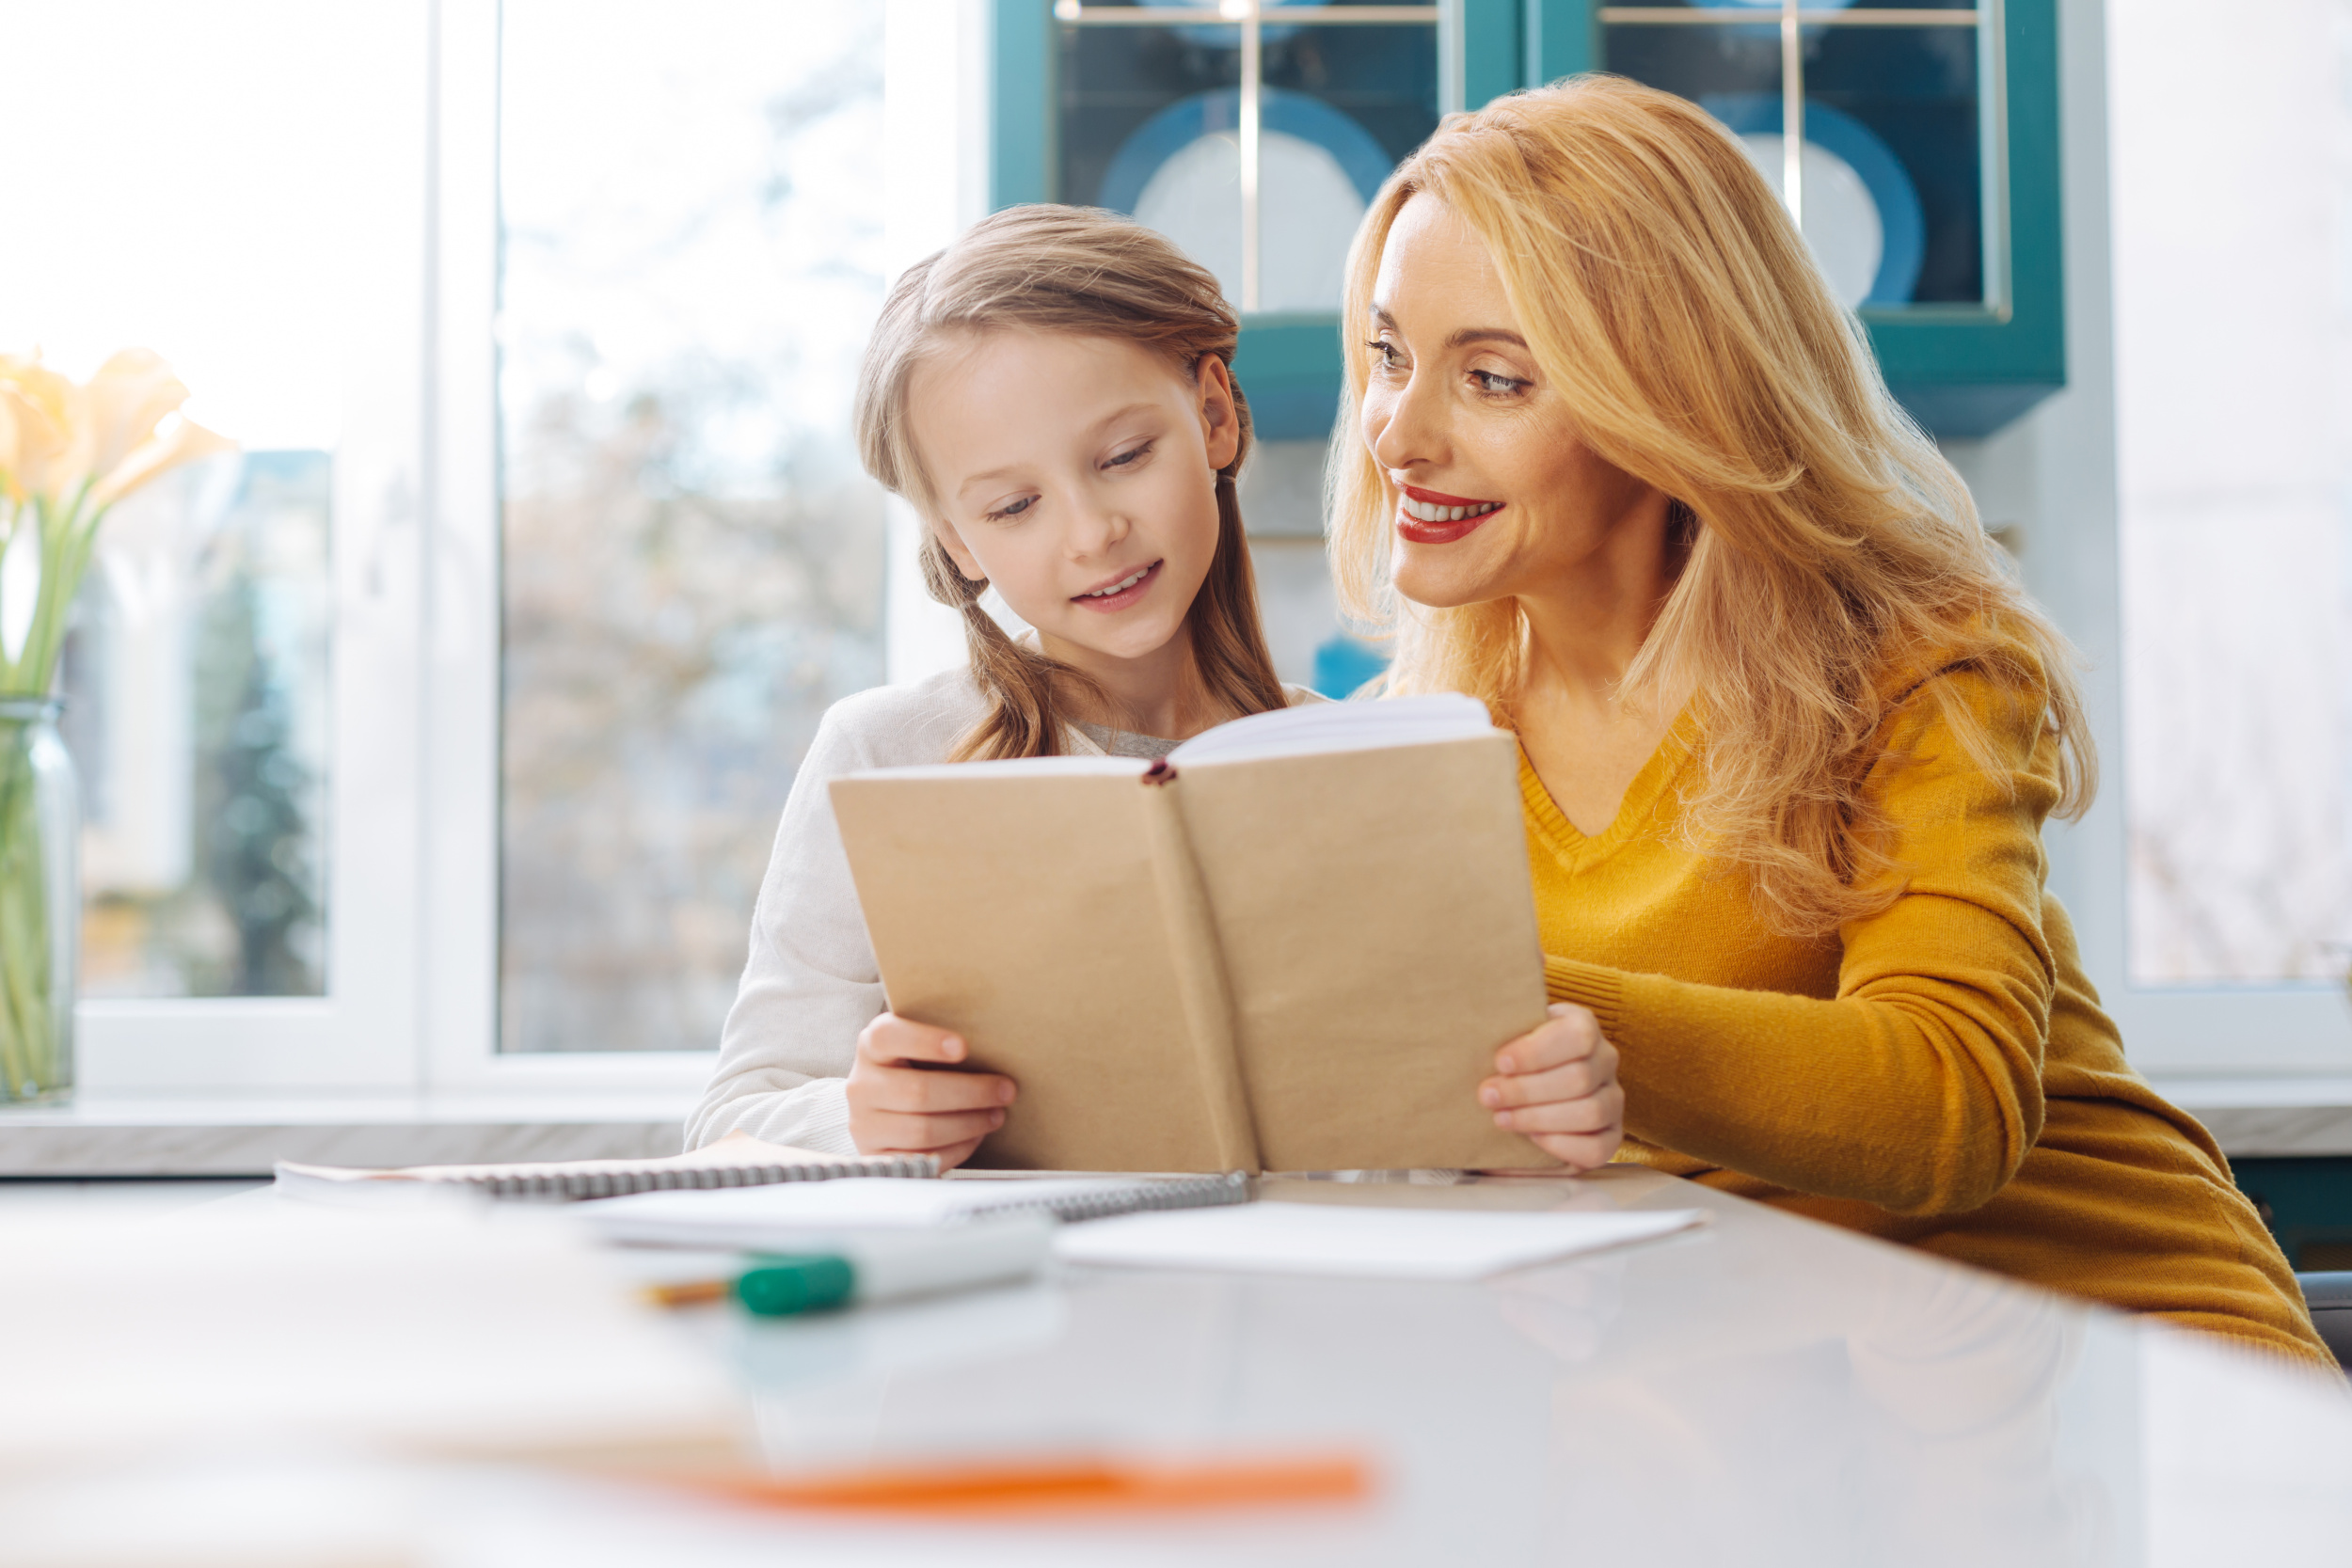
(691, 559)
(233, 678)
(2234, 329)
(200, 718)
(536, 321)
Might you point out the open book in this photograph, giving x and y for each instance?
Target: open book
(1294, 946)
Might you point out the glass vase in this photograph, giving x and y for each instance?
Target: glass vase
(41, 903)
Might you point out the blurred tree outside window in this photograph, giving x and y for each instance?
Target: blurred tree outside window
(690, 209)
(197, 693)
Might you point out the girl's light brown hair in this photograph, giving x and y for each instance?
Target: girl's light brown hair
(1835, 559)
(1085, 272)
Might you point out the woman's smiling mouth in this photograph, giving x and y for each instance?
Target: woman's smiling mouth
(1431, 517)
(1119, 593)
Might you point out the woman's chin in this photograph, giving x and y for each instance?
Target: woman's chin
(1440, 584)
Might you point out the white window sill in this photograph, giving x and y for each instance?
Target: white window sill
(2252, 1117)
(115, 1134)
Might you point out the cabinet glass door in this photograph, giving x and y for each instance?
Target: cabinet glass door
(1252, 133)
(1878, 123)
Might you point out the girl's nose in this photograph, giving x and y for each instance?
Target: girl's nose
(1095, 528)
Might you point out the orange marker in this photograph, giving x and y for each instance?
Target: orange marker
(1056, 1487)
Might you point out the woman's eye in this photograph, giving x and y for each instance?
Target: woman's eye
(1387, 350)
(1495, 380)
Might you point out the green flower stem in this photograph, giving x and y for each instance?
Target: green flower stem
(66, 538)
(65, 533)
(27, 1038)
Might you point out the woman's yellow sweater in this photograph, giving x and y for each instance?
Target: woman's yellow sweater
(1938, 1074)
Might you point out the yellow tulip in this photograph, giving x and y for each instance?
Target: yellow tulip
(184, 442)
(131, 394)
(52, 452)
(7, 453)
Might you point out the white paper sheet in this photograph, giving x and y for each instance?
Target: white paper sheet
(776, 1216)
(1357, 1242)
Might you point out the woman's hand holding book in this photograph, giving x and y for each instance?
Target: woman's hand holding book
(1557, 1086)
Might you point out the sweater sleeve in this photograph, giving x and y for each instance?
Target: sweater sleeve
(810, 984)
(1918, 1086)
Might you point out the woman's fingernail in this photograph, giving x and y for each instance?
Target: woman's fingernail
(996, 1118)
(1504, 1064)
(1004, 1094)
(1490, 1096)
(952, 1049)
(1502, 1118)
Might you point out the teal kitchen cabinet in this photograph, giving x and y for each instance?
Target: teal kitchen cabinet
(1255, 131)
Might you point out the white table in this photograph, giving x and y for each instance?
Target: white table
(1762, 1391)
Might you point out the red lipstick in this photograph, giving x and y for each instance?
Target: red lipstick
(1438, 498)
(1420, 530)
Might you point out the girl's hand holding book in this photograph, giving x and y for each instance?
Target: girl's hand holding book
(1557, 1085)
(901, 1102)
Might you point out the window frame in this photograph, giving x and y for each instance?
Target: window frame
(458, 1044)
(413, 868)
(361, 1034)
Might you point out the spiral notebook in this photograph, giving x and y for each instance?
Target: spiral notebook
(737, 1161)
(777, 1217)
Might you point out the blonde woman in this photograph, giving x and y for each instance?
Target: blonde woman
(1617, 462)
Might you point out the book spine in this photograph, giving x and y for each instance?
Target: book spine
(1200, 973)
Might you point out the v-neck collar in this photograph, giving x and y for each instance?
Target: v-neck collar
(1641, 797)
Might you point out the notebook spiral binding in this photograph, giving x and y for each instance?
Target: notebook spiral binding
(620, 1184)
(1195, 1192)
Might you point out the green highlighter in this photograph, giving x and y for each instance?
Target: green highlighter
(779, 1287)
(879, 1264)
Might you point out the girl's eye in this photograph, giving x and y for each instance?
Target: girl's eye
(1127, 459)
(1496, 382)
(1014, 509)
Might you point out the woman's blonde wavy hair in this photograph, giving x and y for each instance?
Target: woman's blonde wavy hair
(1835, 559)
(1085, 272)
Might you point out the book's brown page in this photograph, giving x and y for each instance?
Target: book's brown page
(1024, 913)
(1375, 943)
(1201, 979)
(1380, 942)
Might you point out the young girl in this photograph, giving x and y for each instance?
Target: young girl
(1053, 393)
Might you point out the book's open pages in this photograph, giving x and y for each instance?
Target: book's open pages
(1296, 945)
(1314, 727)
